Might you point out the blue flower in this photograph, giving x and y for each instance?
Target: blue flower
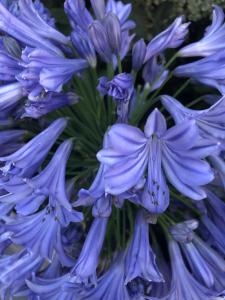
(183, 284)
(138, 55)
(15, 269)
(140, 259)
(86, 264)
(78, 14)
(208, 71)
(10, 141)
(47, 70)
(164, 152)
(32, 30)
(111, 283)
(154, 73)
(29, 194)
(172, 37)
(84, 46)
(42, 106)
(209, 120)
(99, 37)
(26, 161)
(10, 95)
(120, 87)
(113, 29)
(213, 39)
(203, 260)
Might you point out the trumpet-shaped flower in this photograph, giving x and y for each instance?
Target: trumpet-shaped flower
(25, 161)
(162, 151)
(209, 121)
(172, 37)
(213, 39)
(86, 264)
(140, 259)
(208, 71)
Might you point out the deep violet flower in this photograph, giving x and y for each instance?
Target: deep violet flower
(171, 152)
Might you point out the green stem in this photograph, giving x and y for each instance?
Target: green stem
(119, 64)
(180, 90)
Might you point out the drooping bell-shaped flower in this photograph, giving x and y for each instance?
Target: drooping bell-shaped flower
(10, 95)
(29, 194)
(11, 140)
(31, 31)
(172, 37)
(15, 269)
(164, 152)
(140, 259)
(183, 284)
(87, 262)
(208, 71)
(203, 260)
(48, 70)
(111, 283)
(213, 39)
(25, 161)
(39, 107)
(209, 121)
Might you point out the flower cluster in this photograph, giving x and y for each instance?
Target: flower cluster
(105, 195)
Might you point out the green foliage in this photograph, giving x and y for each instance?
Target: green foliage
(155, 15)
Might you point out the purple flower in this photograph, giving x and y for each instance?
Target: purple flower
(163, 152)
(28, 158)
(138, 55)
(140, 259)
(120, 87)
(122, 11)
(172, 37)
(78, 14)
(111, 283)
(113, 29)
(213, 39)
(99, 8)
(62, 288)
(29, 194)
(84, 46)
(99, 38)
(209, 121)
(10, 141)
(154, 73)
(32, 30)
(86, 264)
(208, 71)
(48, 70)
(10, 96)
(183, 284)
(42, 106)
(15, 269)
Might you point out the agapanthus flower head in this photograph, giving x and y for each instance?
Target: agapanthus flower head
(213, 39)
(162, 151)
